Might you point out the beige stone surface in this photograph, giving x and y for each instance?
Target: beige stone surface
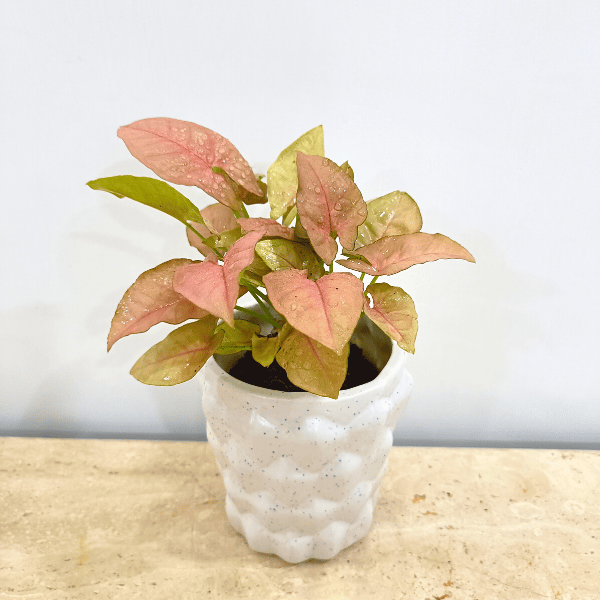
(132, 519)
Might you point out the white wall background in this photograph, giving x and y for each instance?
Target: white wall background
(487, 113)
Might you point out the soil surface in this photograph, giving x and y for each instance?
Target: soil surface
(274, 377)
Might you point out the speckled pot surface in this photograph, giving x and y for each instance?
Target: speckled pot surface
(302, 472)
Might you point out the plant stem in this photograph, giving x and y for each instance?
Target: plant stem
(245, 212)
(260, 302)
(270, 320)
(362, 276)
(261, 294)
(374, 279)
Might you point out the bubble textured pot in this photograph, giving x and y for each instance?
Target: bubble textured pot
(302, 472)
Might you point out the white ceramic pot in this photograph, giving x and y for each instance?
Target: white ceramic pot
(302, 472)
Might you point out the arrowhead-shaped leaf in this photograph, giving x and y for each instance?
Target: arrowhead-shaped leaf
(281, 254)
(395, 253)
(264, 349)
(282, 176)
(185, 153)
(238, 337)
(180, 355)
(393, 214)
(269, 227)
(326, 310)
(328, 202)
(393, 311)
(215, 287)
(151, 192)
(312, 366)
(151, 300)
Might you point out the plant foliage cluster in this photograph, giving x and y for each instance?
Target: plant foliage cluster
(285, 262)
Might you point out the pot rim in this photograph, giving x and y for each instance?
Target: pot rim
(395, 363)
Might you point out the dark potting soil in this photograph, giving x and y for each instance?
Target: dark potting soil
(274, 377)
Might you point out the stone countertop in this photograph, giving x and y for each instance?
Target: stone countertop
(112, 519)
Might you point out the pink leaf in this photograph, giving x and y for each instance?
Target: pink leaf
(393, 311)
(214, 287)
(185, 153)
(326, 310)
(151, 300)
(395, 253)
(269, 227)
(217, 219)
(329, 203)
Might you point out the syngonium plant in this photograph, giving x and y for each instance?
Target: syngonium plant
(287, 266)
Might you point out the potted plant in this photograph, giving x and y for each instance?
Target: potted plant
(300, 437)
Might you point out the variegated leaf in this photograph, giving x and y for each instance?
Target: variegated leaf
(282, 176)
(393, 311)
(269, 227)
(312, 366)
(395, 253)
(216, 287)
(180, 355)
(328, 203)
(281, 254)
(393, 214)
(326, 310)
(151, 300)
(185, 153)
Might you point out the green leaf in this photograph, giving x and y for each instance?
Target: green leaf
(281, 254)
(264, 349)
(348, 170)
(255, 271)
(224, 241)
(312, 366)
(236, 338)
(151, 192)
(393, 214)
(282, 176)
(180, 355)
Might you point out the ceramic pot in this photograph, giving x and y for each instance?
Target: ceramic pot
(302, 472)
